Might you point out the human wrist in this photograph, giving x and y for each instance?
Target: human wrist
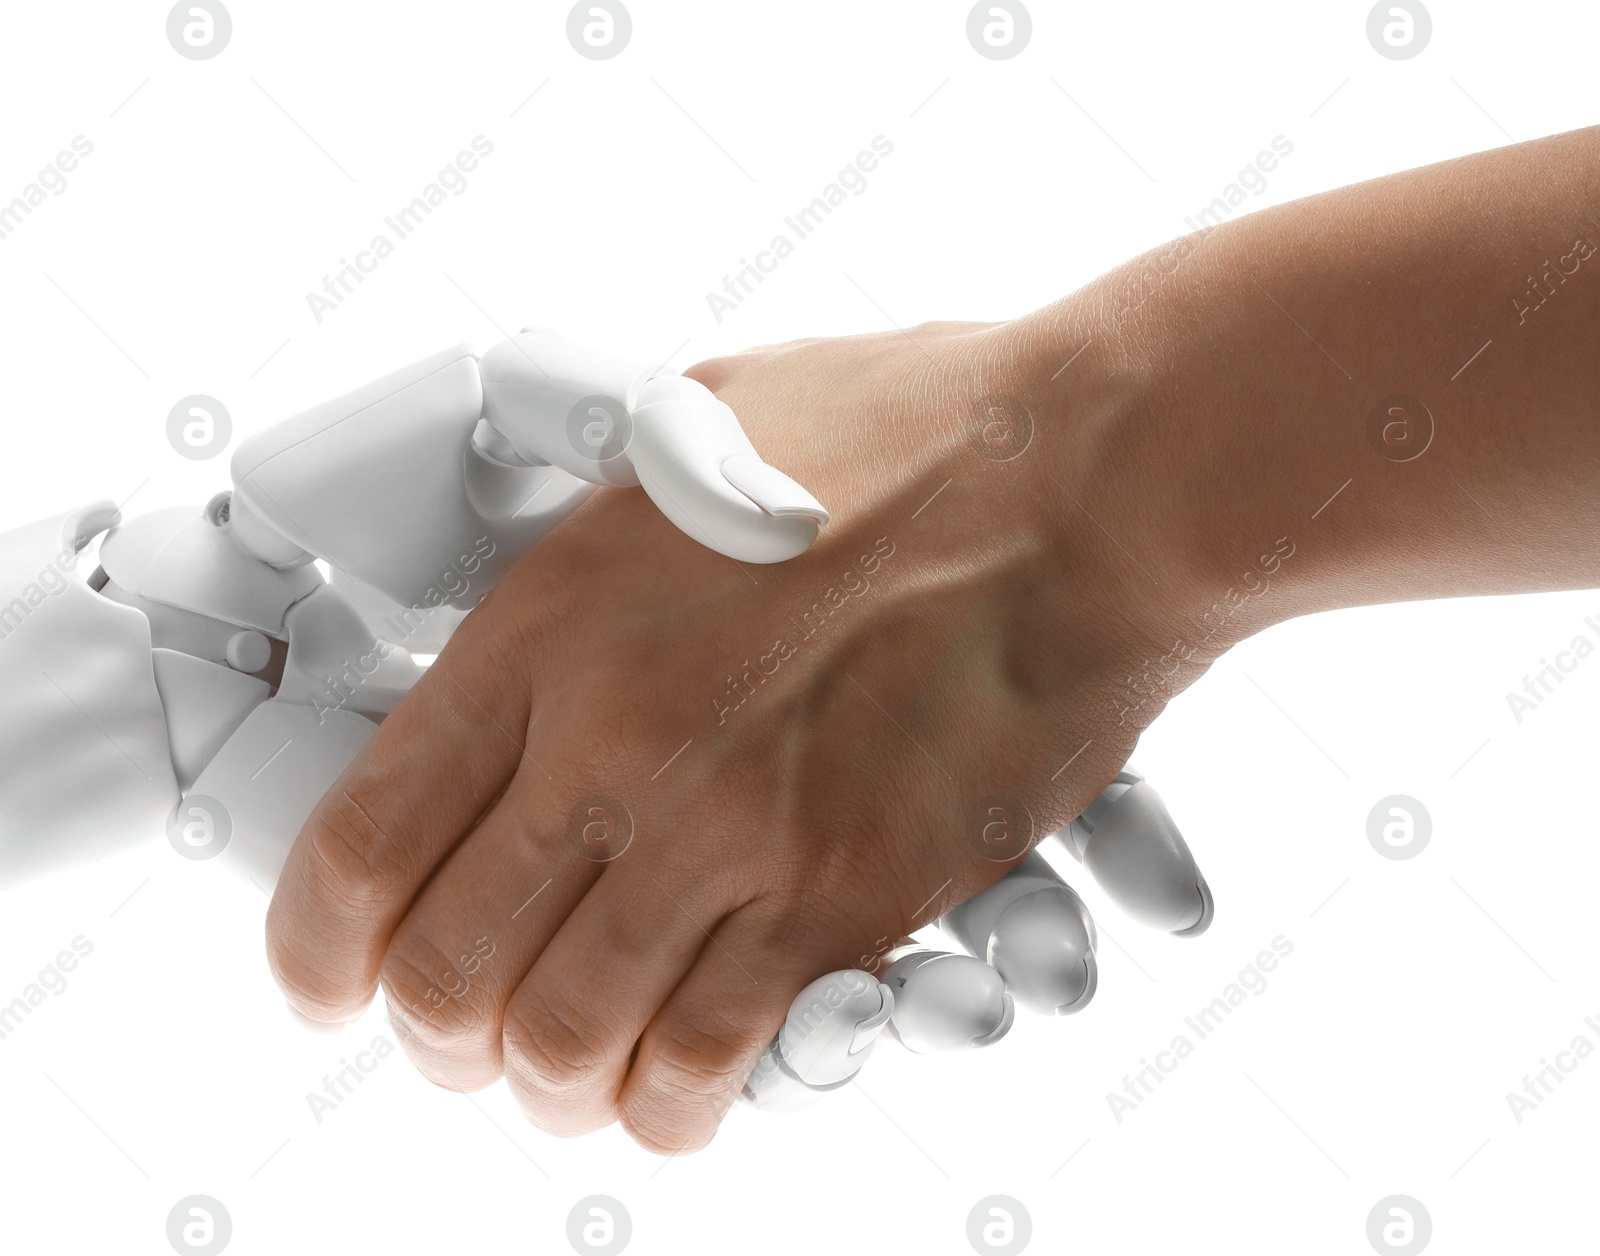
(1110, 491)
(1197, 449)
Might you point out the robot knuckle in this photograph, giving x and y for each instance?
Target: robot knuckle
(550, 1047)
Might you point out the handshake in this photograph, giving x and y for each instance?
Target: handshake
(220, 667)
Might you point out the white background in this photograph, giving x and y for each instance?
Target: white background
(178, 260)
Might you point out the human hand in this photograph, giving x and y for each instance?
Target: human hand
(647, 793)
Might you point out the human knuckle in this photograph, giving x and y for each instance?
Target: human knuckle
(303, 968)
(438, 1005)
(669, 1129)
(515, 621)
(699, 1051)
(352, 847)
(512, 641)
(713, 372)
(693, 1068)
(550, 1046)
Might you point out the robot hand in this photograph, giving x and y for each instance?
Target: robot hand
(208, 659)
(1028, 939)
(206, 673)
(394, 483)
(609, 422)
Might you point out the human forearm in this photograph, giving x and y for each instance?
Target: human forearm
(1038, 532)
(1252, 372)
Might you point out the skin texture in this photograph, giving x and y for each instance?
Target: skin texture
(1027, 559)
